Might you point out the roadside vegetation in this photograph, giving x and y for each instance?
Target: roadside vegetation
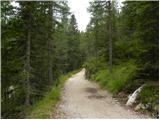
(134, 58)
(122, 83)
(115, 82)
(44, 108)
(39, 45)
(41, 42)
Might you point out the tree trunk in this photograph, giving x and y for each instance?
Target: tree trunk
(50, 42)
(96, 39)
(50, 61)
(28, 88)
(110, 37)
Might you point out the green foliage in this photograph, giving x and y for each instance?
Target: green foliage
(121, 74)
(139, 26)
(57, 47)
(67, 44)
(135, 38)
(46, 107)
(93, 65)
(38, 45)
(116, 81)
(149, 94)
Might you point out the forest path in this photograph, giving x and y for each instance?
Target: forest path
(84, 99)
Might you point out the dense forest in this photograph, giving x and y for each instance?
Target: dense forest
(40, 41)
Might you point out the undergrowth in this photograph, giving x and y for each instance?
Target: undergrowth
(114, 82)
(124, 79)
(46, 107)
(149, 94)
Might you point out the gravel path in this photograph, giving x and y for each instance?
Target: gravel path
(84, 99)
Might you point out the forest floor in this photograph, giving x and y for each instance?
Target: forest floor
(84, 99)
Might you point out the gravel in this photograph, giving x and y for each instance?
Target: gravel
(84, 99)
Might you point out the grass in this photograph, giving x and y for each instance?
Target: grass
(116, 81)
(124, 79)
(149, 94)
(45, 107)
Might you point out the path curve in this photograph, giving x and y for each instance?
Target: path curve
(84, 99)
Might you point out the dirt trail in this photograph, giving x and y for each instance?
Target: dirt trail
(84, 99)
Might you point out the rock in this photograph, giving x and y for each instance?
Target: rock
(139, 106)
(148, 107)
(121, 94)
(129, 96)
(133, 97)
(116, 100)
(156, 108)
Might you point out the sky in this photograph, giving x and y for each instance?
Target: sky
(79, 8)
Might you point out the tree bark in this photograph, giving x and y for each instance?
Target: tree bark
(110, 37)
(50, 43)
(28, 88)
(50, 61)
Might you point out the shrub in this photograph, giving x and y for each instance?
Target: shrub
(149, 94)
(93, 65)
(116, 81)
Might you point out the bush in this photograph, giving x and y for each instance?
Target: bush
(93, 65)
(116, 81)
(121, 74)
(149, 94)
